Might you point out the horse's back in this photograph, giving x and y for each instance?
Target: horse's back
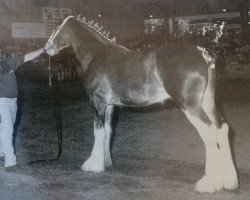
(180, 55)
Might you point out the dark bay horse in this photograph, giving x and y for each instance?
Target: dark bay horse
(116, 76)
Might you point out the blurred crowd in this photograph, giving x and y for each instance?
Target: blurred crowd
(230, 44)
(13, 48)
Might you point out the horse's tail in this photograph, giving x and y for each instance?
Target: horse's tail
(208, 100)
(211, 84)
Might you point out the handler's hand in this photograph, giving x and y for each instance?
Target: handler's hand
(47, 46)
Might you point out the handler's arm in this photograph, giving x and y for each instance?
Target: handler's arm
(32, 55)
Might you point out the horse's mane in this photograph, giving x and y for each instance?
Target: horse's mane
(91, 26)
(99, 30)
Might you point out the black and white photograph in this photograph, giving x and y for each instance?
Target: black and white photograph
(124, 99)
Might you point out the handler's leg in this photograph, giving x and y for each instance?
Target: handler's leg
(8, 109)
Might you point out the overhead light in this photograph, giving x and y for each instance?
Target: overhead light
(99, 15)
(151, 16)
(224, 10)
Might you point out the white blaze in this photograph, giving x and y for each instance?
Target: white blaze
(54, 34)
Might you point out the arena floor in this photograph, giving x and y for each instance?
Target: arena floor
(156, 153)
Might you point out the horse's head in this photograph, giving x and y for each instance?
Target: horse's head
(59, 39)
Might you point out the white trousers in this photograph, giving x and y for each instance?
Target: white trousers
(8, 109)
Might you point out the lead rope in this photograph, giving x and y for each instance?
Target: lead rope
(57, 119)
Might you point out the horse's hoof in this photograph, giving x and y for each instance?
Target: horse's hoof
(92, 165)
(209, 184)
(108, 161)
(231, 181)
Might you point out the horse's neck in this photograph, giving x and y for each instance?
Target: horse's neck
(86, 46)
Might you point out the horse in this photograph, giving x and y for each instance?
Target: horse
(115, 76)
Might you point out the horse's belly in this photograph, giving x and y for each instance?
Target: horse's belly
(155, 95)
(160, 96)
(144, 93)
(146, 96)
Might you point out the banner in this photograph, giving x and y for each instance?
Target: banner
(28, 30)
(50, 14)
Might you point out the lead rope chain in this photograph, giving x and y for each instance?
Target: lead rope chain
(57, 119)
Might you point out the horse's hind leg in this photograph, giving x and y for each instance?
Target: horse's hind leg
(200, 109)
(230, 179)
(100, 155)
(212, 181)
(219, 171)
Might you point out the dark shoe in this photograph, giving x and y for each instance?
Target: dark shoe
(14, 169)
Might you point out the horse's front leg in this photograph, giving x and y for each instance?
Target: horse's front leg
(108, 134)
(100, 156)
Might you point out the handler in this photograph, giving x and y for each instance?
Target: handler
(8, 104)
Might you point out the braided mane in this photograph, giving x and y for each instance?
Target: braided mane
(97, 28)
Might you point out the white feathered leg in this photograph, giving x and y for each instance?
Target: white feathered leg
(220, 171)
(95, 162)
(100, 156)
(230, 178)
(212, 181)
(225, 162)
(108, 134)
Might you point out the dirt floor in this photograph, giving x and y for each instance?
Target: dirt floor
(156, 153)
